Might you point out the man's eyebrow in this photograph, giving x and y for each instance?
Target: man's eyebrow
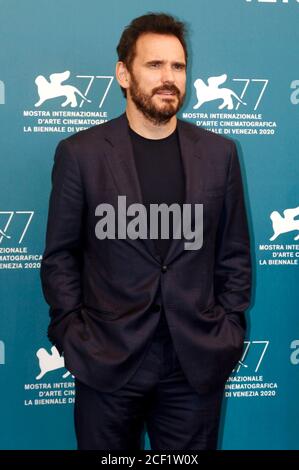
(155, 61)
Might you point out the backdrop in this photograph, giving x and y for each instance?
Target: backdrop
(57, 63)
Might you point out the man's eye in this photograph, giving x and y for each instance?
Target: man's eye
(154, 65)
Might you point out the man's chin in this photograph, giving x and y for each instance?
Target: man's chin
(166, 107)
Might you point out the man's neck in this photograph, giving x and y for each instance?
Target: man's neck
(144, 127)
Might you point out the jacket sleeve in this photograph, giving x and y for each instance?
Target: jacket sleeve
(232, 273)
(61, 264)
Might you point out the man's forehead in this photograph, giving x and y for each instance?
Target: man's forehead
(149, 44)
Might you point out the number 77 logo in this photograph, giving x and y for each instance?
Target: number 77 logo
(11, 216)
(251, 347)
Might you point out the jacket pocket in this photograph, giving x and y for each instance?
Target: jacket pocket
(96, 314)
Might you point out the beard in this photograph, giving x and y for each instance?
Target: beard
(157, 114)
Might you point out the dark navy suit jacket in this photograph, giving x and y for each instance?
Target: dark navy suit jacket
(103, 294)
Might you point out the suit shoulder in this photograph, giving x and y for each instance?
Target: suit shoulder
(88, 142)
(88, 146)
(87, 136)
(208, 137)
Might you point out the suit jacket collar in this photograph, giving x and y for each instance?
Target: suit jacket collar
(122, 164)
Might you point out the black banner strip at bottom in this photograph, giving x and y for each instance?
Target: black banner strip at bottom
(147, 457)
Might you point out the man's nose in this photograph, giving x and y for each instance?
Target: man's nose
(167, 74)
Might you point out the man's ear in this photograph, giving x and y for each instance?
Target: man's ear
(122, 74)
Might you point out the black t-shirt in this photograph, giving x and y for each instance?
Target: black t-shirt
(161, 176)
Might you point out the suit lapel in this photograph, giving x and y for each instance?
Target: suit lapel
(121, 160)
(188, 139)
(120, 157)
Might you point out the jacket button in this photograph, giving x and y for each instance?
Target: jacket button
(164, 268)
(156, 308)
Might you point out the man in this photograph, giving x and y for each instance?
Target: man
(150, 330)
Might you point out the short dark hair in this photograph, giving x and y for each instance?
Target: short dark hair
(160, 23)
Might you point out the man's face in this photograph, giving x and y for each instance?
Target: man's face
(158, 77)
